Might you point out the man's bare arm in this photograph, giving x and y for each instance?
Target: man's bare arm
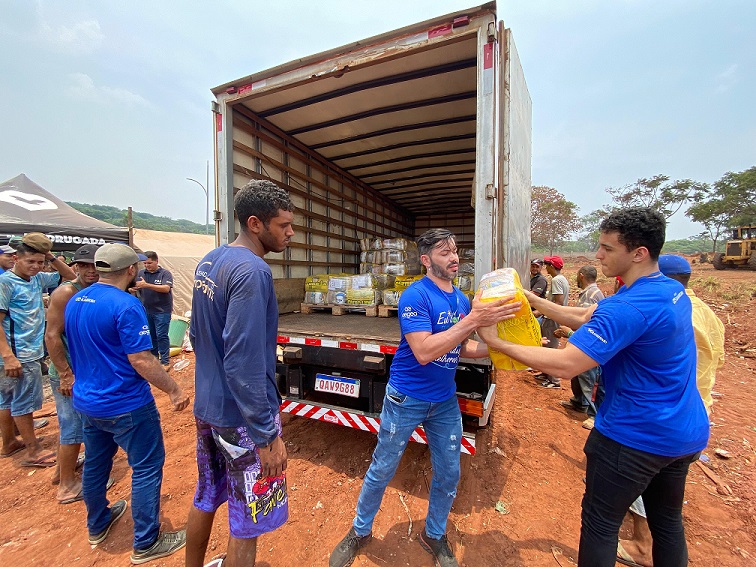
(572, 317)
(54, 335)
(65, 271)
(151, 370)
(11, 364)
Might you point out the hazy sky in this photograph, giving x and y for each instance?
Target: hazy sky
(109, 102)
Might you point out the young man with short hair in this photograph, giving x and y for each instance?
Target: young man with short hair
(241, 457)
(21, 345)
(61, 375)
(436, 322)
(109, 343)
(7, 259)
(155, 286)
(652, 423)
(538, 283)
(559, 294)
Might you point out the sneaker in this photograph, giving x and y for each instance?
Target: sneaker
(346, 551)
(569, 405)
(547, 384)
(166, 544)
(588, 423)
(116, 511)
(439, 549)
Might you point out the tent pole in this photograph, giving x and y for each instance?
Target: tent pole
(130, 224)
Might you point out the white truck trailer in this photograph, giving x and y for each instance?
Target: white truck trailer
(423, 127)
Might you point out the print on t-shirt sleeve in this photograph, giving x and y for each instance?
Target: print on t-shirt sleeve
(613, 326)
(6, 289)
(167, 278)
(414, 312)
(134, 330)
(49, 279)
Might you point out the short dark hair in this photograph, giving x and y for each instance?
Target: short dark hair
(428, 240)
(637, 226)
(24, 249)
(682, 278)
(589, 273)
(151, 255)
(262, 199)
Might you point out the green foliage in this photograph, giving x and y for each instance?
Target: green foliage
(146, 221)
(657, 192)
(552, 218)
(690, 245)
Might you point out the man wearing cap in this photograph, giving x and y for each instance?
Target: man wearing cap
(21, 346)
(6, 258)
(109, 343)
(709, 336)
(559, 293)
(61, 375)
(538, 283)
(155, 286)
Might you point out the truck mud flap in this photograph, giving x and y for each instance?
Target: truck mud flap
(358, 420)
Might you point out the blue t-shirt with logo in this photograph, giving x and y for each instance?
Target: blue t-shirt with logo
(24, 322)
(234, 332)
(425, 307)
(643, 339)
(103, 326)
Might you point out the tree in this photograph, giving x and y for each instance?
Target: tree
(590, 224)
(657, 193)
(714, 215)
(552, 218)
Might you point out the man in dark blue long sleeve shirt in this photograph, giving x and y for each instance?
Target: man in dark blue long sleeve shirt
(240, 454)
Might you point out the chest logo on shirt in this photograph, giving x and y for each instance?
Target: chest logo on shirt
(450, 359)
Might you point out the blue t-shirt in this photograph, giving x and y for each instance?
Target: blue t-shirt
(103, 325)
(24, 322)
(643, 339)
(156, 301)
(234, 332)
(425, 307)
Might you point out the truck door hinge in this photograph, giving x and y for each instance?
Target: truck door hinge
(490, 191)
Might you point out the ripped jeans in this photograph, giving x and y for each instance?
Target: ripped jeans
(400, 416)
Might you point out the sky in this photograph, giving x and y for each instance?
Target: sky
(109, 102)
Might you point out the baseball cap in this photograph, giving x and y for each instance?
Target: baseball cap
(114, 257)
(85, 254)
(5, 249)
(38, 242)
(671, 264)
(555, 261)
(537, 261)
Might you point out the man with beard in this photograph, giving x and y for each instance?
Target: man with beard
(436, 323)
(241, 457)
(110, 346)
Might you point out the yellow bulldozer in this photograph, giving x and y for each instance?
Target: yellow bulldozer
(740, 251)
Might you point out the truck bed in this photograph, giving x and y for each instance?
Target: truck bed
(349, 327)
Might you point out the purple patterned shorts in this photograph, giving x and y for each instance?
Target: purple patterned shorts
(229, 468)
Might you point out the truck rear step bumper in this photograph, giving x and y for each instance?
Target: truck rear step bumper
(358, 420)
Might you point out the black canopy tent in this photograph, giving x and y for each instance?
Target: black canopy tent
(27, 207)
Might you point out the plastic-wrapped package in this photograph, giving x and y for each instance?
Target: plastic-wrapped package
(362, 281)
(466, 254)
(336, 297)
(395, 243)
(374, 269)
(338, 283)
(464, 282)
(372, 257)
(391, 296)
(523, 329)
(384, 281)
(318, 282)
(466, 268)
(315, 297)
(403, 282)
(363, 296)
(389, 256)
(402, 269)
(370, 243)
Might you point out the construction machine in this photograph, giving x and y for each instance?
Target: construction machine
(740, 251)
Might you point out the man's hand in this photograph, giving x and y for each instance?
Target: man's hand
(563, 332)
(13, 368)
(487, 334)
(66, 382)
(487, 313)
(140, 283)
(179, 399)
(273, 458)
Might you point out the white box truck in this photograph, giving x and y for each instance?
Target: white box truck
(428, 126)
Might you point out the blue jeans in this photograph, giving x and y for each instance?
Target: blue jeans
(69, 420)
(615, 476)
(139, 434)
(22, 395)
(161, 344)
(443, 426)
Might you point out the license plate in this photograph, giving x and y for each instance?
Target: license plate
(337, 385)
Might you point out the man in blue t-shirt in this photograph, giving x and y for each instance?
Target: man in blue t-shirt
(241, 457)
(22, 316)
(7, 258)
(436, 323)
(109, 344)
(652, 423)
(155, 287)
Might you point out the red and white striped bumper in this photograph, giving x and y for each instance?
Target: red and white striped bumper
(360, 421)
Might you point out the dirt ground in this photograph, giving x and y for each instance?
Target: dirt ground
(530, 459)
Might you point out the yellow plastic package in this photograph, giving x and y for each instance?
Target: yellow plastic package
(523, 329)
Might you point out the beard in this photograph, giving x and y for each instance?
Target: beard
(443, 273)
